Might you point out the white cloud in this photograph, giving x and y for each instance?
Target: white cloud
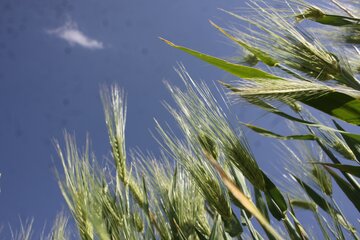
(71, 33)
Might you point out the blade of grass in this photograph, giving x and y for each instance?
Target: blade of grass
(334, 159)
(235, 69)
(315, 14)
(293, 235)
(250, 206)
(353, 170)
(330, 101)
(298, 227)
(273, 193)
(319, 200)
(352, 140)
(217, 231)
(260, 203)
(349, 191)
(268, 133)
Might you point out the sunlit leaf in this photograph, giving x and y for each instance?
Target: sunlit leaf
(235, 69)
(339, 105)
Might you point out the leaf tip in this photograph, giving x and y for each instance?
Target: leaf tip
(224, 84)
(167, 42)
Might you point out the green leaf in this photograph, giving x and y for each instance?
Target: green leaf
(332, 157)
(338, 105)
(303, 204)
(243, 199)
(353, 170)
(317, 15)
(217, 231)
(260, 203)
(233, 226)
(252, 230)
(319, 200)
(275, 194)
(352, 140)
(268, 133)
(270, 108)
(349, 191)
(261, 55)
(335, 20)
(275, 200)
(332, 102)
(293, 235)
(322, 203)
(274, 208)
(235, 69)
(298, 227)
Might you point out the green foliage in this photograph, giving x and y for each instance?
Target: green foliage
(207, 183)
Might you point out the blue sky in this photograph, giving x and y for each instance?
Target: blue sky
(55, 54)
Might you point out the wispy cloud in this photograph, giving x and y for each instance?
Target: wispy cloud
(71, 33)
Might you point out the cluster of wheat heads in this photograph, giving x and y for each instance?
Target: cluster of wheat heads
(206, 183)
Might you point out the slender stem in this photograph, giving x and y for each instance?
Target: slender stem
(343, 8)
(240, 196)
(321, 225)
